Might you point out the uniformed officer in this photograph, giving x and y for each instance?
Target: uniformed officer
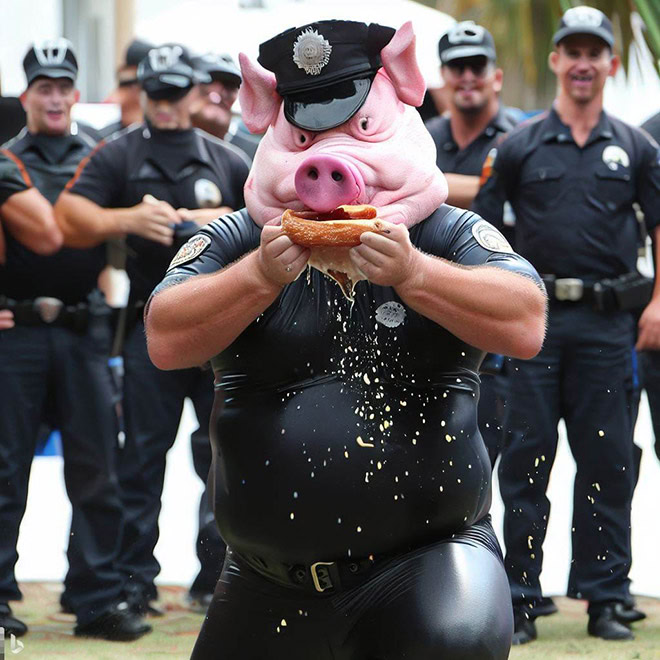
(164, 179)
(572, 177)
(649, 361)
(57, 353)
(127, 92)
(212, 109)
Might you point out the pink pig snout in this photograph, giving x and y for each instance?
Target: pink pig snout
(324, 182)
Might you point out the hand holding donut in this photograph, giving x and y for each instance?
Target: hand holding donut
(281, 261)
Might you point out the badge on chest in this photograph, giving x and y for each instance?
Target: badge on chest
(207, 194)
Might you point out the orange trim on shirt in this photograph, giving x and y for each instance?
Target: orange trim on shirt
(19, 163)
(82, 164)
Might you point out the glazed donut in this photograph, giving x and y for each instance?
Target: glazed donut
(339, 228)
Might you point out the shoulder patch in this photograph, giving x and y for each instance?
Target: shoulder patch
(490, 238)
(192, 249)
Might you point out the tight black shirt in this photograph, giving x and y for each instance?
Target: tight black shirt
(188, 169)
(347, 429)
(70, 274)
(12, 180)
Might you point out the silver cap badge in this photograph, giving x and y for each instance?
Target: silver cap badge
(311, 51)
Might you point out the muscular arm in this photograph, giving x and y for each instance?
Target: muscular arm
(463, 189)
(191, 322)
(28, 217)
(488, 307)
(86, 224)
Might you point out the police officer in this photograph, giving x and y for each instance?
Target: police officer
(127, 92)
(572, 177)
(212, 109)
(163, 179)
(649, 361)
(57, 353)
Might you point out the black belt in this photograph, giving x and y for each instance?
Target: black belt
(45, 310)
(319, 577)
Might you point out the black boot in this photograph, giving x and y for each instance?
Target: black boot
(604, 624)
(524, 628)
(546, 607)
(118, 624)
(10, 623)
(627, 613)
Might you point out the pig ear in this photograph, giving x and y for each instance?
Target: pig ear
(259, 101)
(400, 62)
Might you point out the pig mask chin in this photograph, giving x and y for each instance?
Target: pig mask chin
(382, 156)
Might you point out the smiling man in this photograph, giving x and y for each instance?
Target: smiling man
(572, 177)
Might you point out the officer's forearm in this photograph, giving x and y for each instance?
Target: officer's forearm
(28, 217)
(204, 216)
(462, 189)
(86, 224)
(488, 307)
(189, 323)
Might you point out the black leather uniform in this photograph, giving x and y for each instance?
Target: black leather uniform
(574, 219)
(188, 169)
(60, 364)
(469, 161)
(344, 431)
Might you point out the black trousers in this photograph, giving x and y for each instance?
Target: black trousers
(446, 600)
(584, 374)
(153, 403)
(649, 363)
(38, 364)
(491, 412)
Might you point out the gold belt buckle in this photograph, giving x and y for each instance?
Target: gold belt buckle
(48, 308)
(321, 575)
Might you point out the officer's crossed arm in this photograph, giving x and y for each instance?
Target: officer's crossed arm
(29, 218)
(85, 224)
(463, 188)
(204, 216)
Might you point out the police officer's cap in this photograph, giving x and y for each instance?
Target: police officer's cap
(167, 72)
(219, 67)
(324, 70)
(584, 20)
(466, 39)
(53, 58)
(136, 51)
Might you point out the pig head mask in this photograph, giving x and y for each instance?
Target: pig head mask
(381, 155)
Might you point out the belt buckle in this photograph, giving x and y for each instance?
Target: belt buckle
(569, 288)
(321, 575)
(47, 308)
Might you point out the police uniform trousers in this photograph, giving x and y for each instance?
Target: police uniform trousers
(444, 600)
(41, 363)
(153, 404)
(649, 366)
(584, 374)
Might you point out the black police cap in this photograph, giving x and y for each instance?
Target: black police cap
(136, 51)
(466, 39)
(219, 67)
(584, 20)
(324, 70)
(53, 58)
(167, 72)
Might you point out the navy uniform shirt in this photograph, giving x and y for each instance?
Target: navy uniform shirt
(652, 127)
(71, 274)
(12, 180)
(574, 205)
(188, 169)
(470, 159)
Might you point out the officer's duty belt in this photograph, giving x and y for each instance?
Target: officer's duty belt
(320, 577)
(626, 292)
(45, 310)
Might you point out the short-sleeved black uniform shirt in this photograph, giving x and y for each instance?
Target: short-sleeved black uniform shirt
(70, 274)
(471, 159)
(347, 429)
(574, 205)
(187, 168)
(12, 180)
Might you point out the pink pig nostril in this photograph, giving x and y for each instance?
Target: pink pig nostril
(324, 182)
